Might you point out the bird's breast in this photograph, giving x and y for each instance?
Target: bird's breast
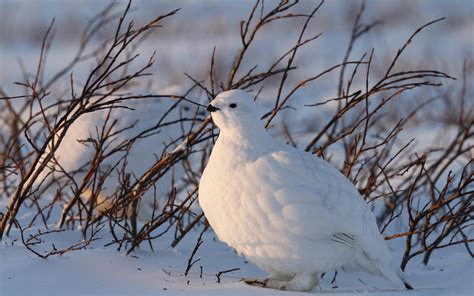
(229, 196)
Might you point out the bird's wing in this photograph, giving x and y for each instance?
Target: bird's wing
(306, 196)
(314, 198)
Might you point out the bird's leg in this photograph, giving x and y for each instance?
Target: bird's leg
(281, 276)
(301, 282)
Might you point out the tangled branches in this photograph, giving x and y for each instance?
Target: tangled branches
(427, 192)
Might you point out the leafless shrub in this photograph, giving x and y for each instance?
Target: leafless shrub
(38, 123)
(37, 238)
(404, 183)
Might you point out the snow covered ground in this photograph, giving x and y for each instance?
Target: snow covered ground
(102, 270)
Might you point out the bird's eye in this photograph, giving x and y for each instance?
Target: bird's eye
(233, 105)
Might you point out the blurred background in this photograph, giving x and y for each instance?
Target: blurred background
(185, 43)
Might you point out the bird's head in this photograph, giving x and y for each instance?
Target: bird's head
(235, 110)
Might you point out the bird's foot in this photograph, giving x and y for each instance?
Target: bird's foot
(255, 282)
(270, 283)
(301, 282)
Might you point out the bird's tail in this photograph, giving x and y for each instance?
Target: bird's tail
(398, 278)
(407, 285)
(403, 278)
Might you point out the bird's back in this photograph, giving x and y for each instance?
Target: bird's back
(326, 204)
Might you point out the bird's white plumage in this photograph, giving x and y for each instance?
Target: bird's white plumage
(286, 210)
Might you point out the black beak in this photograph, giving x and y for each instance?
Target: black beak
(211, 108)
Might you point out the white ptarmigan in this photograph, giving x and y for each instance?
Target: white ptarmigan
(288, 211)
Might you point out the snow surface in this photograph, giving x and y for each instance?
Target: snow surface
(105, 271)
